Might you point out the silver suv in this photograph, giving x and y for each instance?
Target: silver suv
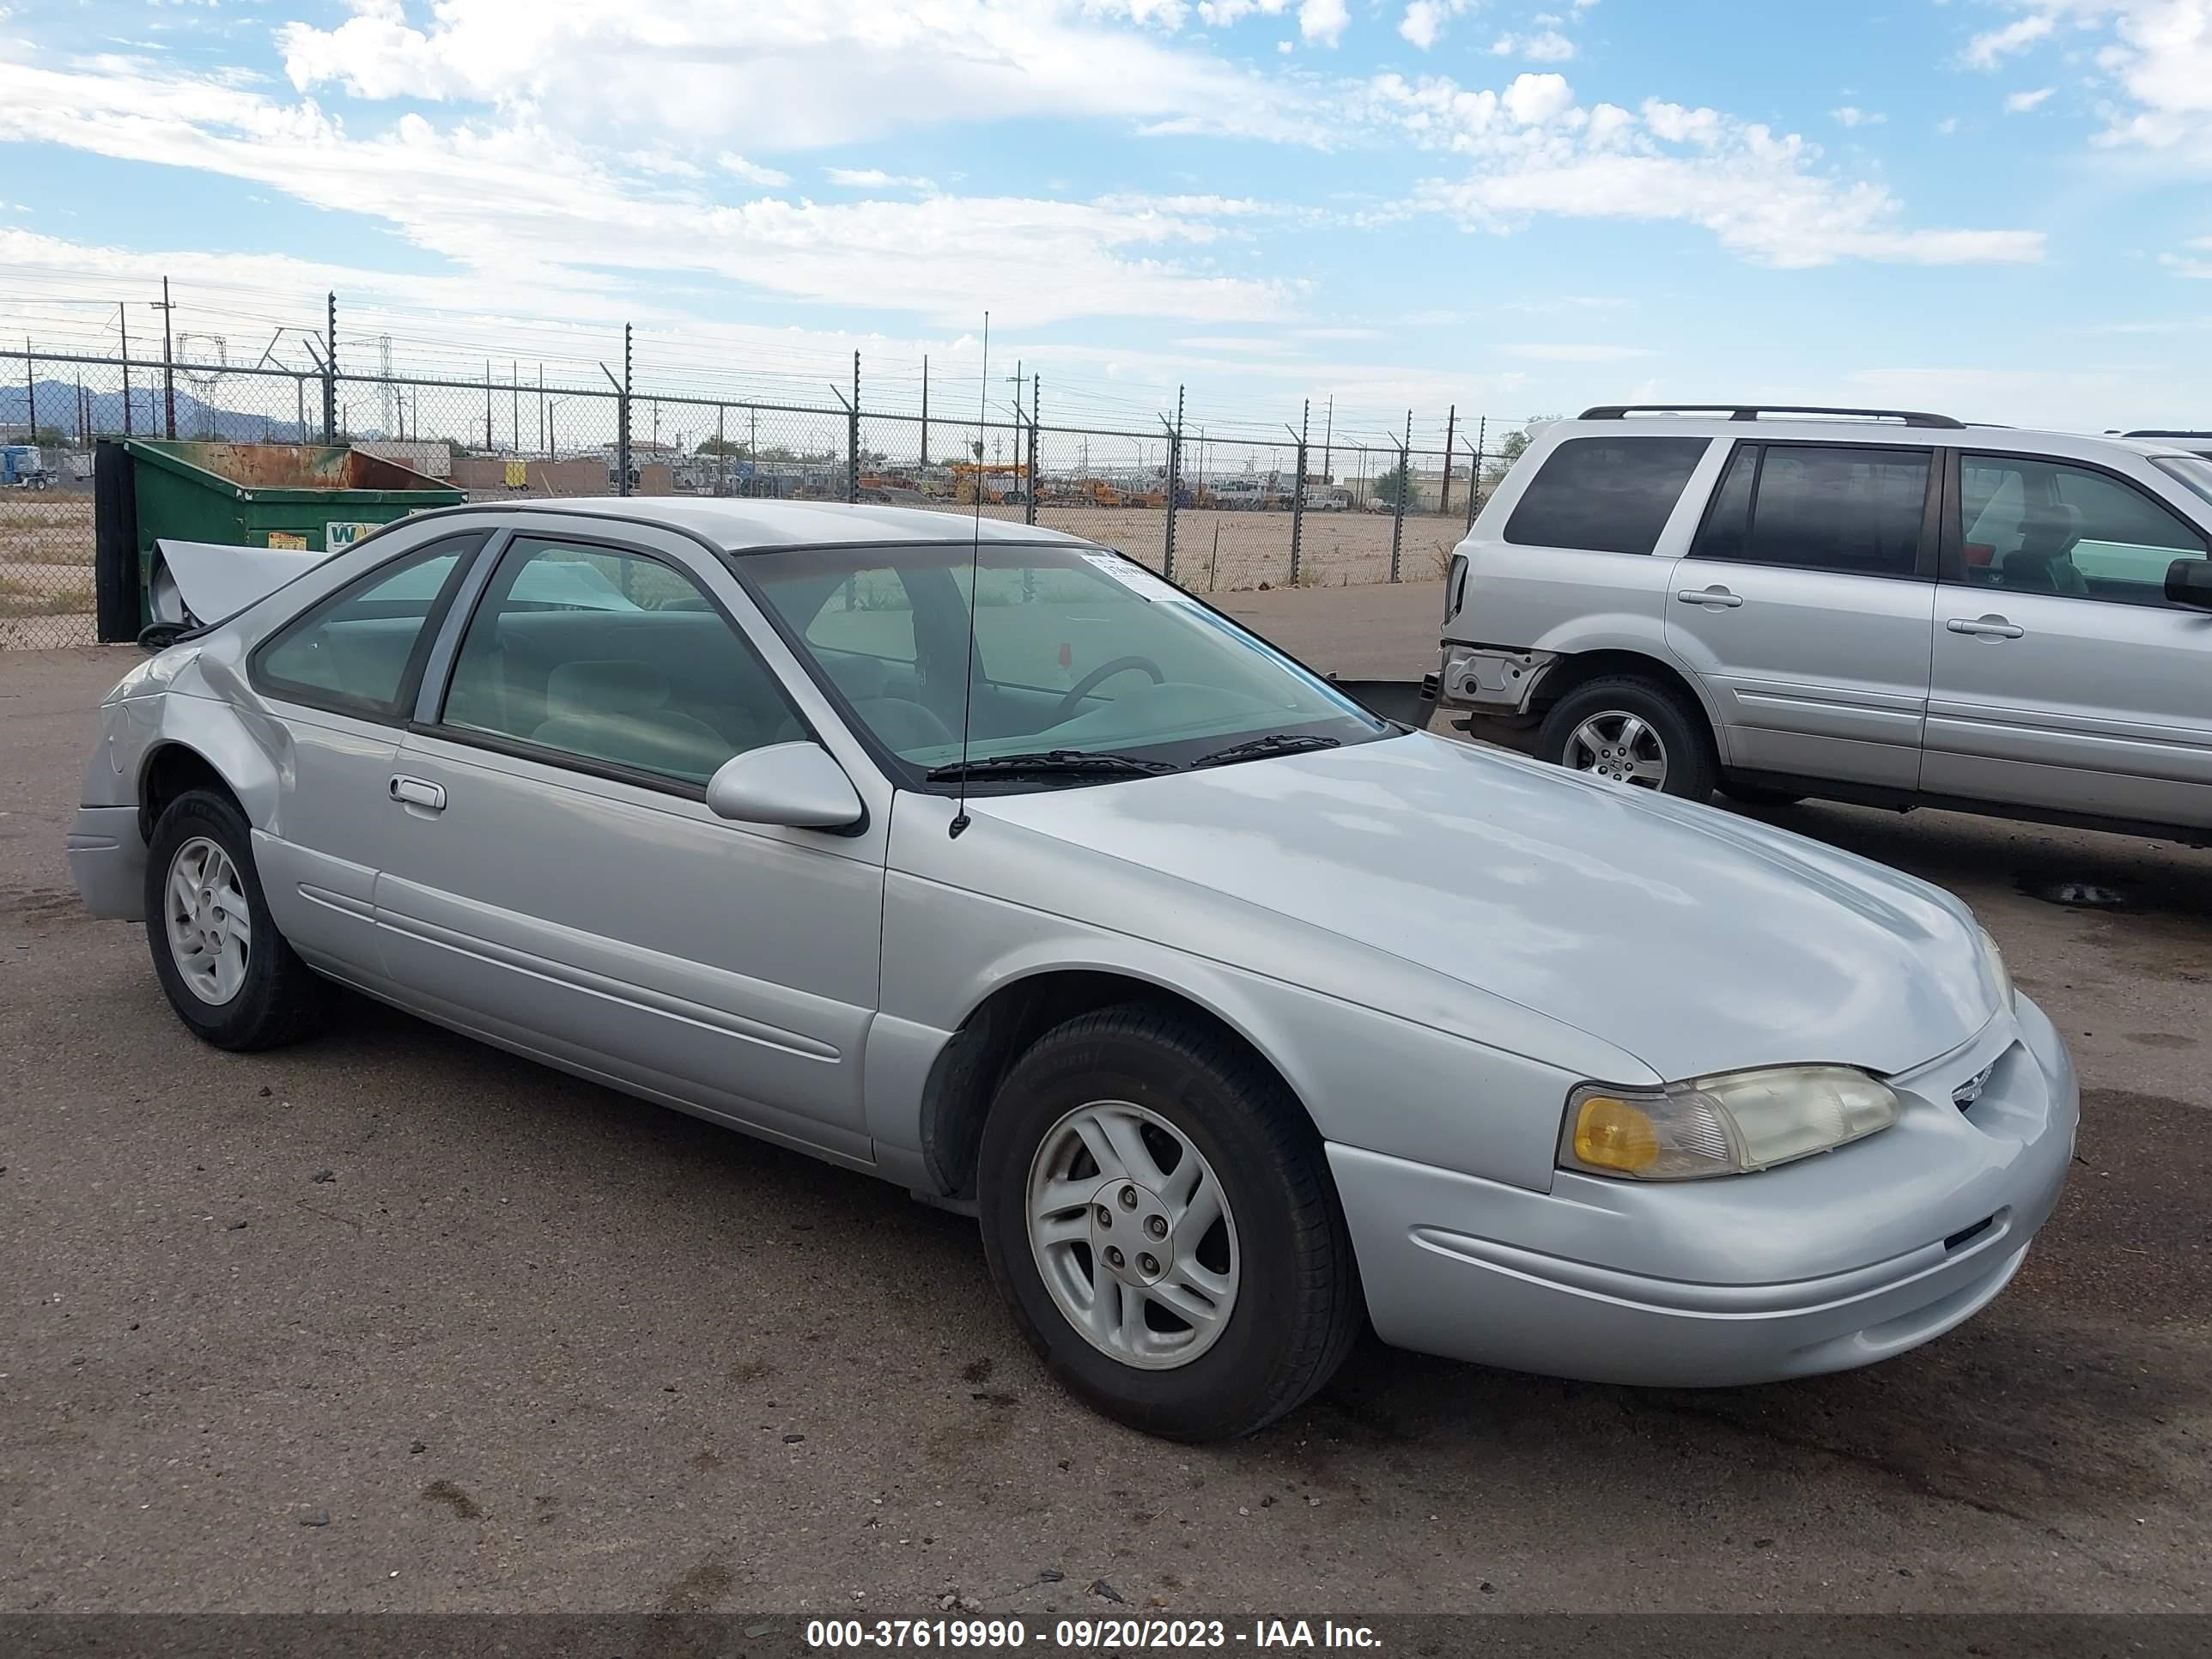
(1883, 606)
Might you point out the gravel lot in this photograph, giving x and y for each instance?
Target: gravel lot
(393, 1321)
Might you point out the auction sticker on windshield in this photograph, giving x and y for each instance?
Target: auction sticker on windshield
(1138, 580)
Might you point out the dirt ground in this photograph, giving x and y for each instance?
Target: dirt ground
(392, 1320)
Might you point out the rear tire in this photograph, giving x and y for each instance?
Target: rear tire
(1264, 1265)
(1636, 731)
(233, 981)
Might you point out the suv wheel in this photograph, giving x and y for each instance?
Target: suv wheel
(227, 970)
(1634, 731)
(1157, 1209)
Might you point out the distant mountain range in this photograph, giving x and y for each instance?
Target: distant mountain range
(56, 402)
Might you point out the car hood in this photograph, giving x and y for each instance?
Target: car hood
(1693, 939)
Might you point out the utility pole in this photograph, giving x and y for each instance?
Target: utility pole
(1451, 417)
(168, 365)
(122, 322)
(331, 369)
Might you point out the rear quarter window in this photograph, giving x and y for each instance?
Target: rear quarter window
(1606, 494)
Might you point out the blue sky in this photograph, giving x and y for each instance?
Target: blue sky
(1998, 207)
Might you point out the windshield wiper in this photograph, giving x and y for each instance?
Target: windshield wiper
(1276, 742)
(1067, 762)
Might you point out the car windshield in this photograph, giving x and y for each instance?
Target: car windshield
(2195, 471)
(1087, 667)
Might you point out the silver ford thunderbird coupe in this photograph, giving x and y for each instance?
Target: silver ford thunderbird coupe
(980, 860)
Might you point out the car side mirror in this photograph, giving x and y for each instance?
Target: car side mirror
(2189, 581)
(796, 785)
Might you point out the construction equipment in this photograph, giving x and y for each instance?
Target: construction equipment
(22, 467)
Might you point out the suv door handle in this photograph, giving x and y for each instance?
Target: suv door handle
(419, 792)
(1713, 595)
(1996, 628)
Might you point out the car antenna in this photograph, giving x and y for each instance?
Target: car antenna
(974, 561)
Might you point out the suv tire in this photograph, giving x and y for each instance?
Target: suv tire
(225, 969)
(1270, 1269)
(1637, 730)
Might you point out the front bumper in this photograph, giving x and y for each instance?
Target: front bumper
(107, 862)
(1832, 1263)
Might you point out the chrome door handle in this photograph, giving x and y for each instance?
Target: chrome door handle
(1995, 628)
(1719, 595)
(419, 792)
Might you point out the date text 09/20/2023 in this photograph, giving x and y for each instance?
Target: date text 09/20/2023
(1000, 1635)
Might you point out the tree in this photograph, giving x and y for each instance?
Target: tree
(1510, 448)
(729, 447)
(1396, 488)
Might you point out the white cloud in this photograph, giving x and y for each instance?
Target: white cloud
(794, 74)
(1850, 115)
(1543, 46)
(751, 171)
(1577, 353)
(530, 205)
(1323, 21)
(2018, 103)
(877, 179)
(1532, 149)
(1984, 51)
(2196, 262)
(2149, 65)
(1424, 21)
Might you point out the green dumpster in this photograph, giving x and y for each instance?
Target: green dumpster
(319, 497)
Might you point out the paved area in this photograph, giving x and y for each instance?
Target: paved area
(392, 1320)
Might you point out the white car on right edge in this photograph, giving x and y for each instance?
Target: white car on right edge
(1883, 606)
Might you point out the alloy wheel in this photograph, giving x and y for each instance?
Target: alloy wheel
(1133, 1234)
(209, 928)
(1619, 746)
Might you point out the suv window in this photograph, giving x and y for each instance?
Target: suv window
(1608, 494)
(351, 653)
(613, 657)
(1855, 509)
(2039, 527)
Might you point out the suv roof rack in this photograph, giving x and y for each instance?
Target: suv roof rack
(2159, 432)
(1753, 411)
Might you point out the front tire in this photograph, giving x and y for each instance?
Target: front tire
(225, 969)
(1633, 731)
(1231, 1295)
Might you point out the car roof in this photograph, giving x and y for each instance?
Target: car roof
(2081, 446)
(743, 525)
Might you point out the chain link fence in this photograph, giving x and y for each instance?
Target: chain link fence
(1215, 514)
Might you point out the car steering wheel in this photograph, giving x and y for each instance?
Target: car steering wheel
(1105, 670)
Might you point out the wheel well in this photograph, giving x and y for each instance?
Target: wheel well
(1576, 671)
(172, 771)
(1002, 1027)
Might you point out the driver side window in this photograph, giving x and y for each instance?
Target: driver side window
(2039, 527)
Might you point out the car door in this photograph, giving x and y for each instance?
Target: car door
(2062, 677)
(339, 679)
(1805, 605)
(554, 879)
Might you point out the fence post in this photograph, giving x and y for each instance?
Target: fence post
(1175, 485)
(621, 419)
(1405, 489)
(1036, 390)
(1474, 472)
(853, 436)
(330, 368)
(1451, 423)
(1299, 492)
(490, 448)
(924, 414)
(30, 393)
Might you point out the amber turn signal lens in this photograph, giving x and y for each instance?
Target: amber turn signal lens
(1612, 1135)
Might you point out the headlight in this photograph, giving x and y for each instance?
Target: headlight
(1731, 1124)
(1995, 958)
